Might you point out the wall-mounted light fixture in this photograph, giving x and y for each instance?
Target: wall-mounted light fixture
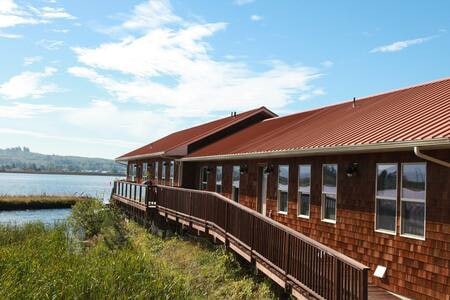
(352, 169)
(208, 170)
(244, 169)
(269, 169)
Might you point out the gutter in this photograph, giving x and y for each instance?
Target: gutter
(387, 146)
(134, 157)
(430, 158)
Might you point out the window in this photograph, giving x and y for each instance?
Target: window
(156, 169)
(413, 191)
(283, 186)
(132, 171)
(163, 171)
(386, 198)
(329, 192)
(219, 179)
(235, 183)
(145, 171)
(171, 172)
(204, 178)
(304, 190)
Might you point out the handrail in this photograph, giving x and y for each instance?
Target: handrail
(297, 259)
(307, 239)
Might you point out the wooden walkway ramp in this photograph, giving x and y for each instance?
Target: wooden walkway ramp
(304, 267)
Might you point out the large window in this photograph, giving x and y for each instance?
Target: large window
(163, 171)
(283, 187)
(219, 179)
(156, 170)
(172, 172)
(386, 198)
(413, 194)
(145, 171)
(329, 192)
(204, 178)
(304, 190)
(235, 183)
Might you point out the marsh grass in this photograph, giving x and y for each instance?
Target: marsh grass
(120, 260)
(9, 202)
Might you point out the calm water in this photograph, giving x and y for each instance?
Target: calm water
(48, 216)
(50, 184)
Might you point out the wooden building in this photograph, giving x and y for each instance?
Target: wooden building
(367, 177)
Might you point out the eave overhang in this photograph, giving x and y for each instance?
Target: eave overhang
(441, 143)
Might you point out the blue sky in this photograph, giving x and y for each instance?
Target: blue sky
(99, 78)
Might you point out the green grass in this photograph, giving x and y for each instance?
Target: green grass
(8, 202)
(118, 260)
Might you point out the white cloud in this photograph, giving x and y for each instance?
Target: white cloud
(31, 60)
(400, 45)
(173, 68)
(311, 94)
(29, 85)
(61, 30)
(27, 110)
(151, 14)
(55, 13)
(243, 2)
(51, 45)
(256, 18)
(104, 116)
(12, 14)
(80, 140)
(327, 64)
(10, 35)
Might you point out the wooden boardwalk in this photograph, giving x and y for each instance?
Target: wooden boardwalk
(302, 266)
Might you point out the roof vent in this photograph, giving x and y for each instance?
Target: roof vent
(354, 102)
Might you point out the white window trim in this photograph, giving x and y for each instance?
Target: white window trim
(385, 231)
(221, 178)
(299, 192)
(163, 171)
(424, 201)
(145, 174)
(281, 212)
(232, 184)
(172, 172)
(156, 170)
(203, 170)
(323, 219)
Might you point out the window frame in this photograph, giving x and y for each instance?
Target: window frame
(424, 201)
(385, 231)
(144, 170)
(299, 214)
(282, 212)
(156, 170)
(172, 172)
(163, 171)
(322, 206)
(232, 183)
(203, 170)
(221, 179)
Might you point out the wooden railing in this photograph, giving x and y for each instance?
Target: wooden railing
(132, 191)
(294, 258)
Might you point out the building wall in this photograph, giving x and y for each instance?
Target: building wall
(151, 170)
(415, 268)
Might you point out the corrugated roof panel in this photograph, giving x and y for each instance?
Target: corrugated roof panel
(409, 114)
(192, 134)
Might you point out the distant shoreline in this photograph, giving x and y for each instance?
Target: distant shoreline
(63, 173)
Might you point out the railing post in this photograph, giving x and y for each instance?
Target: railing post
(337, 276)
(363, 288)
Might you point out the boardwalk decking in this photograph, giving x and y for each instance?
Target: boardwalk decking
(304, 267)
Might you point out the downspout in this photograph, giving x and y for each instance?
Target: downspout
(429, 158)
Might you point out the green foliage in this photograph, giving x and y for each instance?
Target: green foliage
(97, 255)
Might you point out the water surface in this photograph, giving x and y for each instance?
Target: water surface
(47, 216)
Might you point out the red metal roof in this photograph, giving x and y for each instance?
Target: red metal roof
(417, 113)
(193, 134)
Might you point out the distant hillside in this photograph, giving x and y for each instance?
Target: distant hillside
(23, 160)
